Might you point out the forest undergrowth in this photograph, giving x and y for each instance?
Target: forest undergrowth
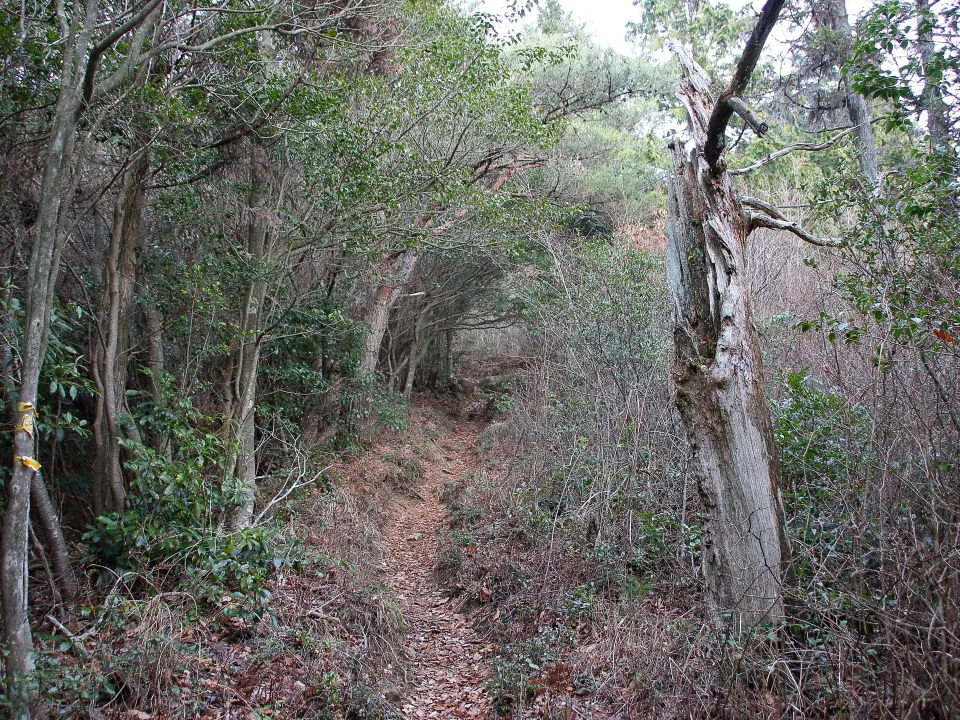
(324, 639)
(351, 624)
(387, 360)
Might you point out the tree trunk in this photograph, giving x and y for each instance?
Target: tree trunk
(378, 314)
(155, 354)
(157, 365)
(412, 363)
(63, 572)
(110, 361)
(717, 368)
(418, 349)
(48, 238)
(866, 144)
(241, 435)
(938, 123)
(833, 15)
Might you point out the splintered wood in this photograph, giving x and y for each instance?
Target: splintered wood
(449, 662)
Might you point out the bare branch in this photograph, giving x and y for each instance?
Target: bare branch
(723, 110)
(741, 109)
(769, 208)
(760, 220)
(806, 147)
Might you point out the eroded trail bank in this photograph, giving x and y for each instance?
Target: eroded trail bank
(448, 661)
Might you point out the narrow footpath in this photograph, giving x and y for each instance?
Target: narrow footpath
(449, 661)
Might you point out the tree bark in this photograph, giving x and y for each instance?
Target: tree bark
(418, 348)
(717, 368)
(413, 361)
(63, 573)
(110, 361)
(378, 315)
(938, 122)
(241, 434)
(156, 363)
(48, 238)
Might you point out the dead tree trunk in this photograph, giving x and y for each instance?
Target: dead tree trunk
(717, 367)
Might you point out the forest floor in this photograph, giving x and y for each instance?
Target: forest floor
(448, 660)
(364, 627)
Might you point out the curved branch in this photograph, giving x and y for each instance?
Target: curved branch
(759, 220)
(806, 147)
(769, 208)
(109, 41)
(741, 109)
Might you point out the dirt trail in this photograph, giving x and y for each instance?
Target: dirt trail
(448, 660)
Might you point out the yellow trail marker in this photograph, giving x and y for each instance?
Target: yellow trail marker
(28, 461)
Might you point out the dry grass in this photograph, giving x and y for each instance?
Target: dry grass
(575, 636)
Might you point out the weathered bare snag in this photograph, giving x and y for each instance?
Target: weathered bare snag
(717, 367)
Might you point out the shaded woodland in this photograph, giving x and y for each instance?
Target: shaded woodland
(262, 261)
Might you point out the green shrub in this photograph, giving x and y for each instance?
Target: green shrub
(822, 440)
(825, 455)
(174, 519)
(367, 410)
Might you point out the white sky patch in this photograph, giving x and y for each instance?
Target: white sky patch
(606, 20)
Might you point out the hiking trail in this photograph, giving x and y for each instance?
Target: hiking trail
(448, 660)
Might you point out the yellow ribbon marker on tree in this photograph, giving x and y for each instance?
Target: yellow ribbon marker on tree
(28, 461)
(26, 424)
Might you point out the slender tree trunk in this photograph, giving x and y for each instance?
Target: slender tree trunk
(717, 368)
(412, 363)
(156, 360)
(43, 508)
(418, 349)
(48, 238)
(110, 359)
(242, 463)
(378, 314)
(156, 363)
(447, 364)
(243, 466)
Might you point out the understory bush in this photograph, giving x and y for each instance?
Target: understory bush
(367, 409)
(172, 530)
(603, 460)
